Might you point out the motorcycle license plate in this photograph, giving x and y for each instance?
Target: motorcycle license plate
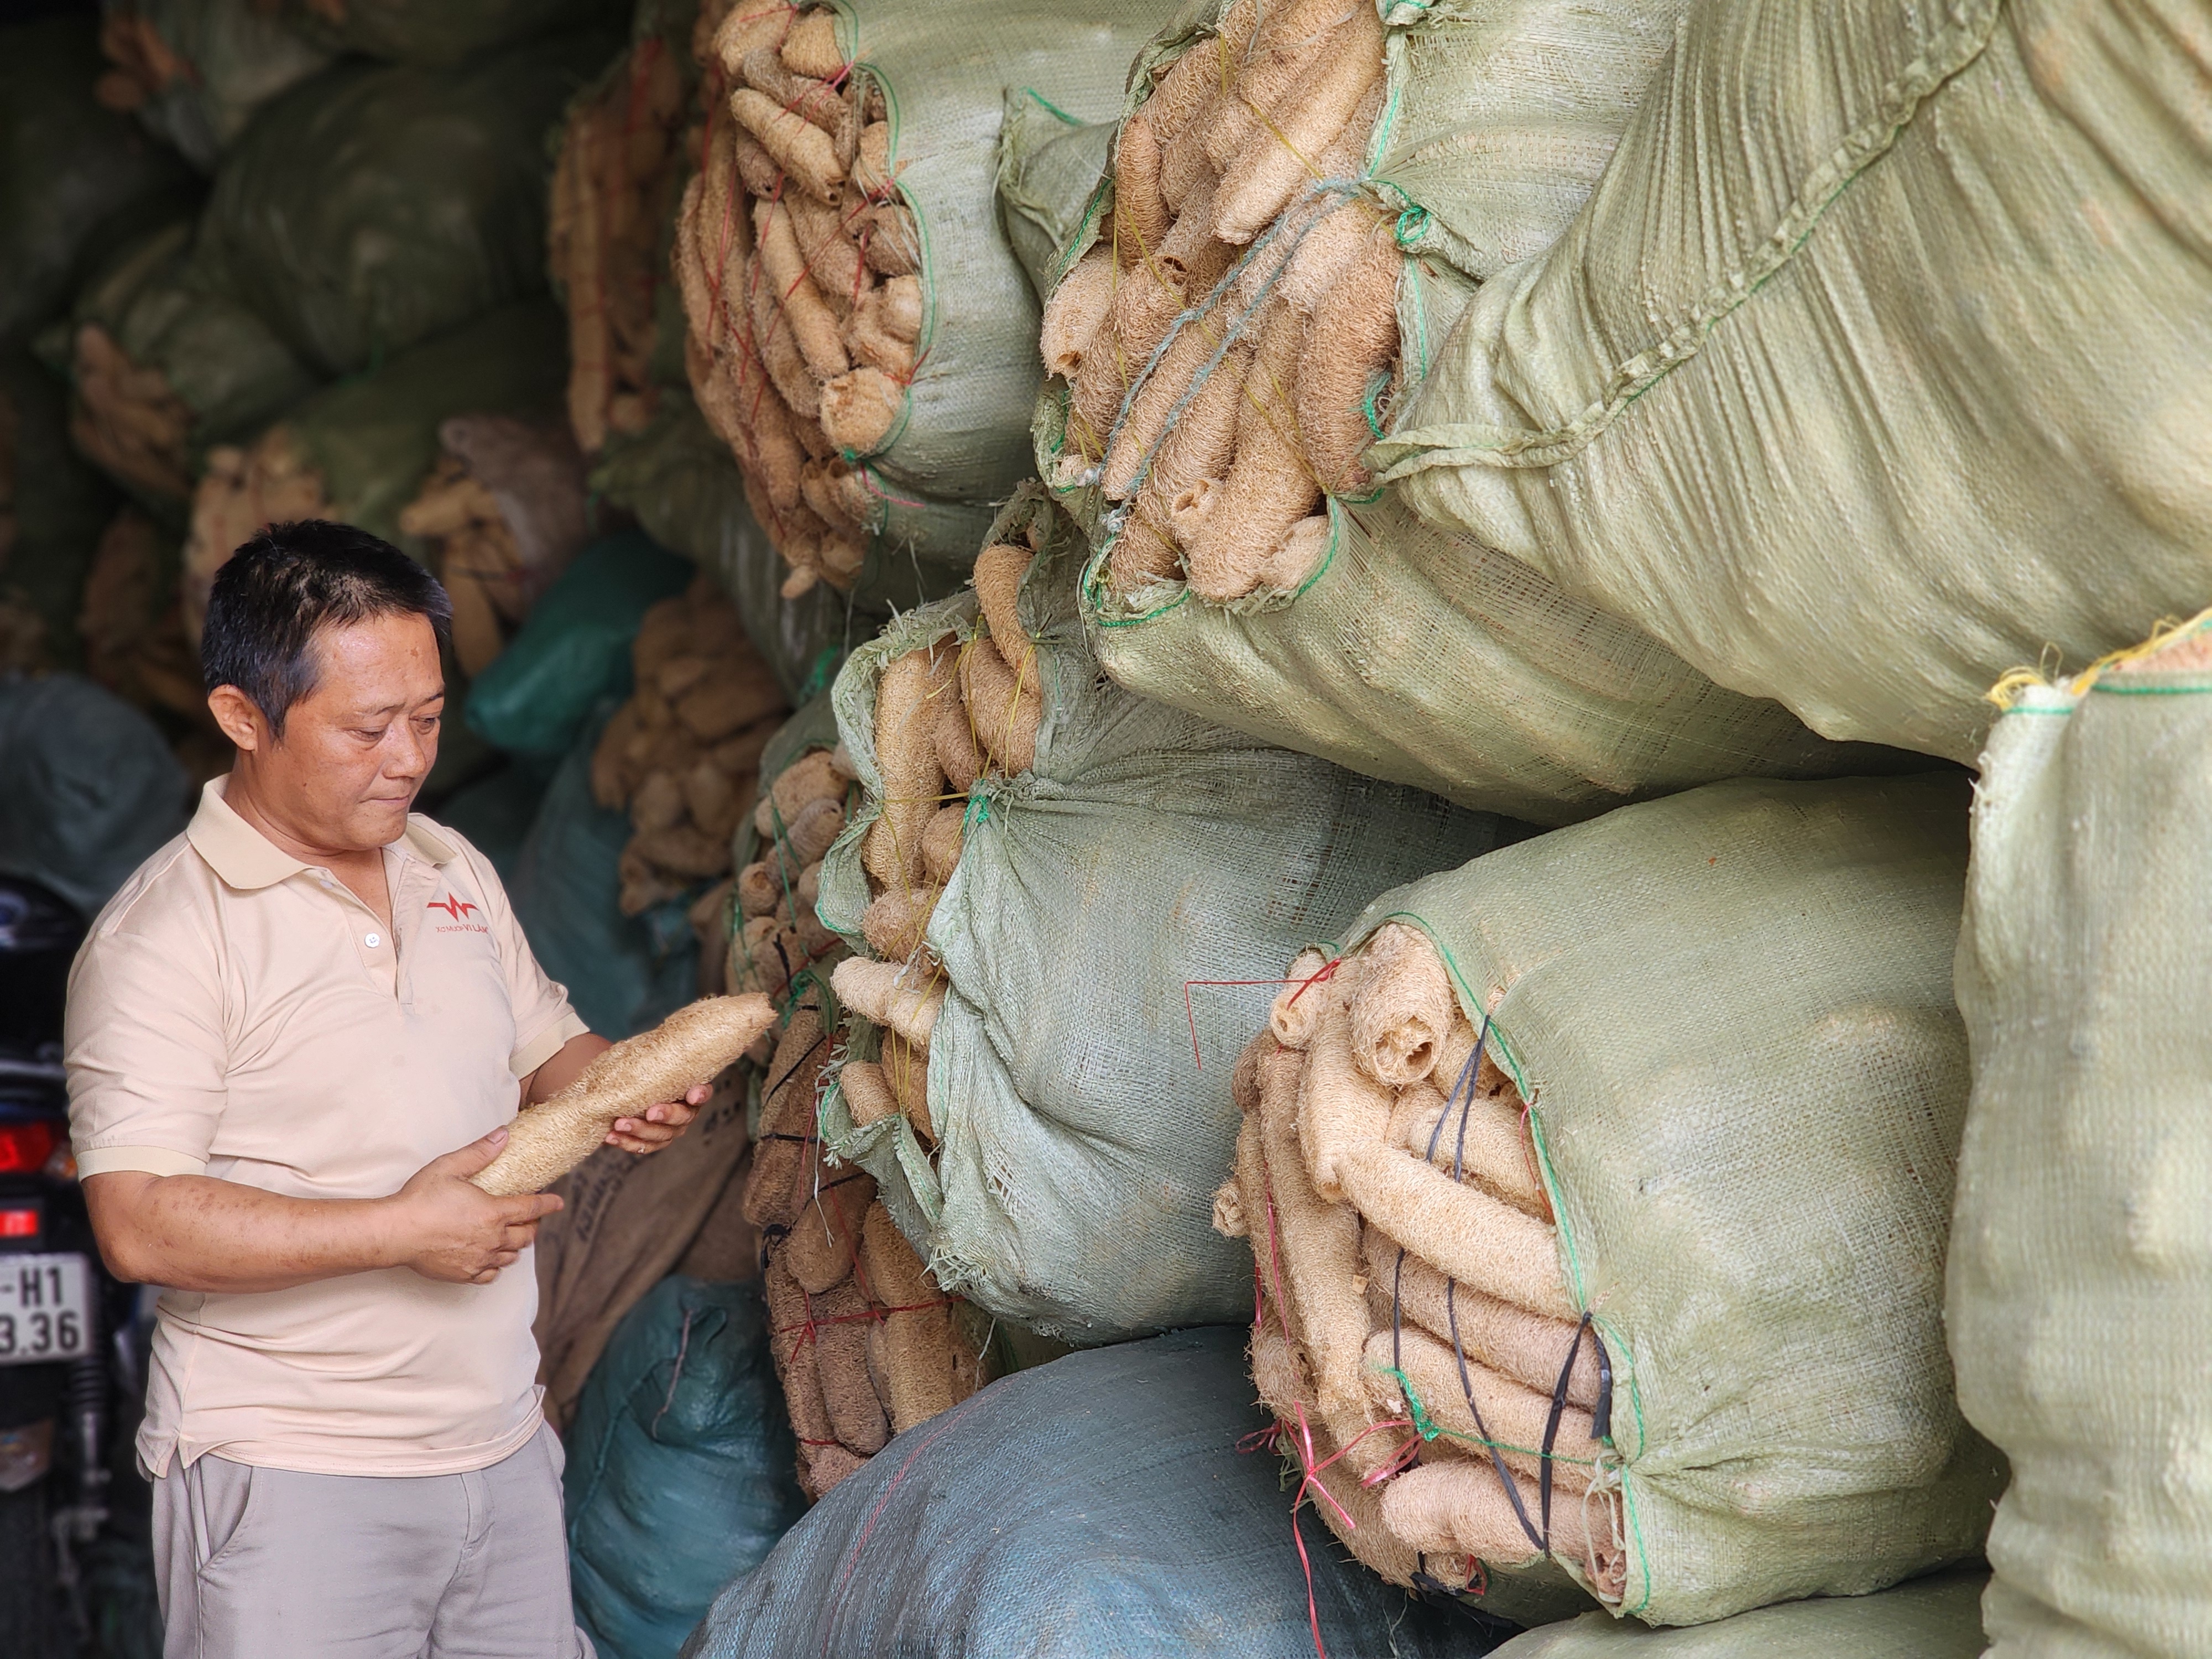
(45, 1309)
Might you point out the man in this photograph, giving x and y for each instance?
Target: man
(292, 1036)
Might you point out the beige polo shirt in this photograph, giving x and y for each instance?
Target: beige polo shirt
(238, 1013)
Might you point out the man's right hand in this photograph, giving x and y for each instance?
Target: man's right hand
(452, 1231)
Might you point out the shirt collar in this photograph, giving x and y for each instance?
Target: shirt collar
(246, 859)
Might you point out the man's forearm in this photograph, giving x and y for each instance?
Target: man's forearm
(194, 1233)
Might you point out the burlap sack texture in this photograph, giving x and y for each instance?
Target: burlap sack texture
(360, 450)
(1599, 1194)
(1301, 199)
(1040, 860)
(1758, 399)
(2079, 1294)
(681, 755)
(861, 334)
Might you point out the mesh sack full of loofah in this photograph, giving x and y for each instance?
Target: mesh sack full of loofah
(866, 1342)
(1300, 200)
(2080, 1293)
(194, 71)
(1818, 388)
(504, 510)
(53, 506)
(1598, 1195)
(1039, 862)
(166, 361)
(359, 450)
(375, 205)
(774, 940)
(861, 334)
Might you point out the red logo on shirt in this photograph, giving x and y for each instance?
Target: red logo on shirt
(454, 907)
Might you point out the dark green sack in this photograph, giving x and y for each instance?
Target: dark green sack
(573, 650)
(680, 1466)
(91, 790)
(67, 166)
(201, 68)
(624, 974)
(52, 508)
(444, 32)
(374, 205)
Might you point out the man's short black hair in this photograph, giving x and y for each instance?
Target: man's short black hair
(280, 589)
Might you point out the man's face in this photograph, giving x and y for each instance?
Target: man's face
(357, 749)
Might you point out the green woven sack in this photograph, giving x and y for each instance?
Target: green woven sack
(1729, 1015)
(210, 62)
(1410, 653)
(1083, 1127)
(67, 166)
(1936, 1617)
(2080, 1283)
(231, 370)
(945, 67)
(373, 206)
(442, 33)
(1872, 369)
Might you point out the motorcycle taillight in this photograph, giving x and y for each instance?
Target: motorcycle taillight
(24, 1147)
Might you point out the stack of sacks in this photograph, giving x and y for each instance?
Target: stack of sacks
(1249, 298)
(504, 509)
(615, 186)
(866, 1342)
(859, 333)
(72, 174)
(193, 71)
(2080, 1297)
(439, 32)
(805, 797)
(166, 362)
(359, 450)
(1598, 1195)
(681, 755)
(374, 206)
(1819, 387)
(1939, 1617)
(1039, 863)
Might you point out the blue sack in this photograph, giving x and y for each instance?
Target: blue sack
(680, 1466)
(1098, 1507)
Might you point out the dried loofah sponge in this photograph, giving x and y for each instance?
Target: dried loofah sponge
(693, 1045)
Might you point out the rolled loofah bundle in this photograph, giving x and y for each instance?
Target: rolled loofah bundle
(681, 755)
(865, 1342)
(693, 1045)
(359, 450)
(1037, 863)
(869, 399)
(504, 510)
(1301, 201)
(805, 796)
(1537, 1248)
(616, 182)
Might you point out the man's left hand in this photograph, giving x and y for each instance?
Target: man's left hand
(661, 1125)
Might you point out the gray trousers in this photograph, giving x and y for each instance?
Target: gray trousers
(269, 1564)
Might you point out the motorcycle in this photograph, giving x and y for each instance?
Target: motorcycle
(69, 1335)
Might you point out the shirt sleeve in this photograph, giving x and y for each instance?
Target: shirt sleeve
(543, 1021)
(144, 1046)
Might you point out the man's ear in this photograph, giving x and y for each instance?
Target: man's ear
(239, 717)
